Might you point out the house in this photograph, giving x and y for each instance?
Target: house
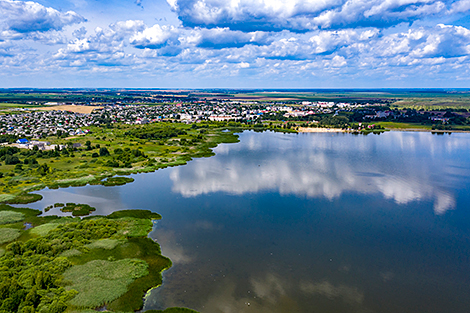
(22, 141)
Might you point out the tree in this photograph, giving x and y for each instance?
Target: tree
(104, 151)
(11, 160)
(43, 169)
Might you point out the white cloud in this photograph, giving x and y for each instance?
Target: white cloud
(19, 18)
(155, 37)
(301, 15)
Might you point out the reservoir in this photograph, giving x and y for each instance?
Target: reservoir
(318, 222)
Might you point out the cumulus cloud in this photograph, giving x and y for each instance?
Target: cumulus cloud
(19, 18)
(158, 36)
(155, 37)
(304, 15)
(106, 47)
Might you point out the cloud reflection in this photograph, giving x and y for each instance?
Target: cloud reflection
(323, 166)
(274, 294)
(326, 289)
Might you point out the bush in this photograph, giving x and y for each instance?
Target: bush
(43, 169)
(104, 151)
(11, 160)
(95, 155)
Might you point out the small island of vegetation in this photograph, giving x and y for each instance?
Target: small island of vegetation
(67, 264)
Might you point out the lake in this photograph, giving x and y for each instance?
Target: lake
(308, 223)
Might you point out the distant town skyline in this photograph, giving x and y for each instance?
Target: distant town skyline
(235, 44)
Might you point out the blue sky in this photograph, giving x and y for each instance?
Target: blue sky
(235, 43)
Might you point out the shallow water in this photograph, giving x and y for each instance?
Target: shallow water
(309, 223)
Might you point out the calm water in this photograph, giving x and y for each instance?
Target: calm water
(309, 223)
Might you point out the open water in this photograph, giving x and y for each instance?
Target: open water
(309, 223)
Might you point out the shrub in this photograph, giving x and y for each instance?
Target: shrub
(104, 151)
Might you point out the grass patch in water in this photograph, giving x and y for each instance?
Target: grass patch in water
(107, 244)
(6, 197)
(172, 310)
(8, 217)
(135, 214)
(8, 235)
(70, 253)
(78, 209)
(99, 282)
(44, 229)
(117, 181)
(24, 198)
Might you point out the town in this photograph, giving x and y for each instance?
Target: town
(36, 124)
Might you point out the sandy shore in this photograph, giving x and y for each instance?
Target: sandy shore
(320, 130)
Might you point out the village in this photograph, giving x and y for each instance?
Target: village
(38, 124)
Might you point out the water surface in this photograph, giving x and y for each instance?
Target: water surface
(309, 223)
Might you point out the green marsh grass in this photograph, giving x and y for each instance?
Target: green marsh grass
(70, 253)
(44, 229)
(8, 235)
(172, 310)
(107, 244)
(8, 217)
(99, 281)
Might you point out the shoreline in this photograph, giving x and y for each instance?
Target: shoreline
(339, 130)
(320, 130)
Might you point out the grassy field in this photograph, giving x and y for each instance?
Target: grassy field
(395, 125)
(416, 126)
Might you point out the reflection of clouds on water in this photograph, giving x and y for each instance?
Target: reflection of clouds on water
(324, 166)
(269, 288)
(326, 289)
(170, 246)
(207, 225)
(272, 293)
(108, 201)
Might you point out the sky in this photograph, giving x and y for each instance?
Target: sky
(235, 43)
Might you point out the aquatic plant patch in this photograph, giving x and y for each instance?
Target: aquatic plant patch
(78, 209)
(24, 198)
(117, 181)
(100, 281)
(107, 244)
(8, 217)
(8, 234)
(44, 229)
